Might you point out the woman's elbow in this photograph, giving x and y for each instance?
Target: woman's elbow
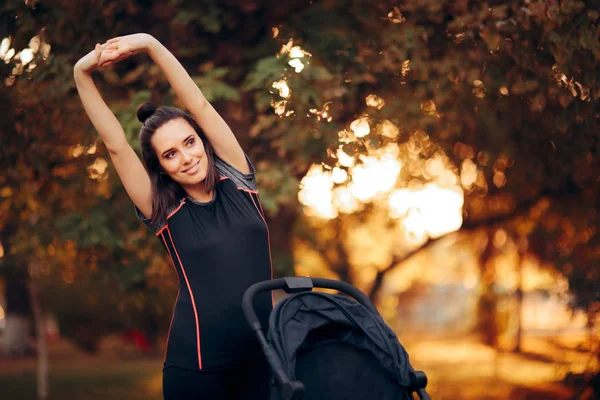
(116, 148)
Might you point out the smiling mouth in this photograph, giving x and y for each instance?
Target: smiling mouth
(192, 168)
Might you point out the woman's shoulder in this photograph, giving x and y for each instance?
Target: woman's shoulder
(240, 179)
(161, 224)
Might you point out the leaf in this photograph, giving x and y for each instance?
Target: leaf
(267, 69)
(215, 90)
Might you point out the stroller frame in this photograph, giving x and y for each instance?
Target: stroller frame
(294, 390)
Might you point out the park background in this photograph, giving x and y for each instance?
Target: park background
(441, 155)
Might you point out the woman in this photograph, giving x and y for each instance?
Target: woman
(198, 194)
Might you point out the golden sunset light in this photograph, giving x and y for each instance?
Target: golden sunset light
(441, 158)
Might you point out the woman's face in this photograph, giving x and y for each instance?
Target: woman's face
(180, 152)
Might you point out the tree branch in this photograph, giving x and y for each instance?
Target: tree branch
(521, 209)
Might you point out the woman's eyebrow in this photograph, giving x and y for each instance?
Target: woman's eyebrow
(166, 151)
(184, 140)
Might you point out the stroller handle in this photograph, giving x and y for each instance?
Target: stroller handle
(294, 390)
(291, 390)
(295, 285)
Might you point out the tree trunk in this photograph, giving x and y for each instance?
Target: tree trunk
(519, 298)
(18, 312)
(487, 310)
(281, 233)
(396, 261)
(42, 345)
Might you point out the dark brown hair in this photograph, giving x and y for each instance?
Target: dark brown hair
(166, 193)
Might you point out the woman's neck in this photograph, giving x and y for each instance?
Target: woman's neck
(198, 192)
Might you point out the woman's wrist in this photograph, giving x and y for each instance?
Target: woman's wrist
(151, 44)
(80, 68)
(148, 42)
(81, 76)
(86, 64)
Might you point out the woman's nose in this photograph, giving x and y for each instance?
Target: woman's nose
(186, 157)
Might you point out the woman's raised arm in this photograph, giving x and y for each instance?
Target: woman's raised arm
(216, 129)
(131, 171)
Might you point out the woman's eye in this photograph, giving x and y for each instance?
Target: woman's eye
(191, 142)
(171, 154)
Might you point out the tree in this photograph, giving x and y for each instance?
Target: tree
(505, 93)
(510, 94)
(519, 124)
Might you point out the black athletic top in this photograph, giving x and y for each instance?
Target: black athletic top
(219, 249)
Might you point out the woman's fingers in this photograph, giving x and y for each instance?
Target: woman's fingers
(114, 50)
(124, 56)
(106, 56)
(107, 46)
(112, 57)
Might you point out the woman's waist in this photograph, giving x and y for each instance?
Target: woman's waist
(218, 313)
(217, 290)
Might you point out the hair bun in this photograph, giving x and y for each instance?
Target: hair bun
(145, 111)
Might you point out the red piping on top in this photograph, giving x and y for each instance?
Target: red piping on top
(173, 314)
(169, 216)
(268, 237)
(193, 301)
(260, 204)
(248, 190)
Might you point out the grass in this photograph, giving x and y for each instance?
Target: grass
(125, 380)
(457, 369)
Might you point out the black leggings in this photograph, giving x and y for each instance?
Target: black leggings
(249, 381)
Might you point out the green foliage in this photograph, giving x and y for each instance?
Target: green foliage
(512, 87)
(266, 70)
(214, 88)
(128, 118)
(209, 17)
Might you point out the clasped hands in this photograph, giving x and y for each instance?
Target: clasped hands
(115, 50)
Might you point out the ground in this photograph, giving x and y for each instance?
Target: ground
(457, 368)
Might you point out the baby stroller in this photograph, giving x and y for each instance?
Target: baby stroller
(326, 346)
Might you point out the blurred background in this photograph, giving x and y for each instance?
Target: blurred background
(441, 155)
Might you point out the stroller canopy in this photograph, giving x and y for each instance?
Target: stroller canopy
(302, 317)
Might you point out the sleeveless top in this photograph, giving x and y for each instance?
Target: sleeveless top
(218, 249)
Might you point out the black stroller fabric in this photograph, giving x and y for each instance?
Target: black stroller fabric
(339, 349)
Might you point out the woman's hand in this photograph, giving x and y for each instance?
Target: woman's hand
(114, 50)
(119, 48)
(89, 62)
